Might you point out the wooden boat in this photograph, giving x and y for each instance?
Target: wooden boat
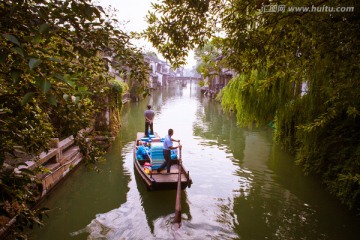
(148, 157)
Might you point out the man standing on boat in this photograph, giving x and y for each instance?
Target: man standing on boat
(149, 119)
(168, 145)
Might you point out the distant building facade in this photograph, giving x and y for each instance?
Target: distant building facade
(160, 72)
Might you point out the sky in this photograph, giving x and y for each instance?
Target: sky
(133, 12)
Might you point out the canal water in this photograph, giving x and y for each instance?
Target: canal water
(244, 185)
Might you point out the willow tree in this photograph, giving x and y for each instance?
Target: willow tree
(52, 75)
(298, 68)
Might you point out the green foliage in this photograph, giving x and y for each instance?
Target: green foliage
(210, 57)
(125, 87)
(91, 150)
(201, 83)
(116, 86)
(118, 89)
(171, 24)
(51, 70)
(53, 76)
(276, 54)
(134, 71)
(18, 192)
(254, 100)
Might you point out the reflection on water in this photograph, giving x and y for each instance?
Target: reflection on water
(244, 186)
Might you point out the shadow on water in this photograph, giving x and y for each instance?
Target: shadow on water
(282, 203)
(160, 204)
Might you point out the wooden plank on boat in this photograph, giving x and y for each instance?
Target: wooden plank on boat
(167, 177)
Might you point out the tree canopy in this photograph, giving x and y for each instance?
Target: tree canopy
(53, 62)
(54, 58)
(208, 58)
(296, 67)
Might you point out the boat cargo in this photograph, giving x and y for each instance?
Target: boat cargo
(148, 157)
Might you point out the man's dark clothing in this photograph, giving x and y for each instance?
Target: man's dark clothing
(147, 125)
(149, 114)
(167, 163)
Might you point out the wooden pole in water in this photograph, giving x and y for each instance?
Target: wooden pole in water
(177, 219)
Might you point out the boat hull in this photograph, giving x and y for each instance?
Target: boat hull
(158, 181)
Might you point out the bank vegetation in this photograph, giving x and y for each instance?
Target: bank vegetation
(54, 81)
(298, 71)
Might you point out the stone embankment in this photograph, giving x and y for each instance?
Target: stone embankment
(56, 163)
